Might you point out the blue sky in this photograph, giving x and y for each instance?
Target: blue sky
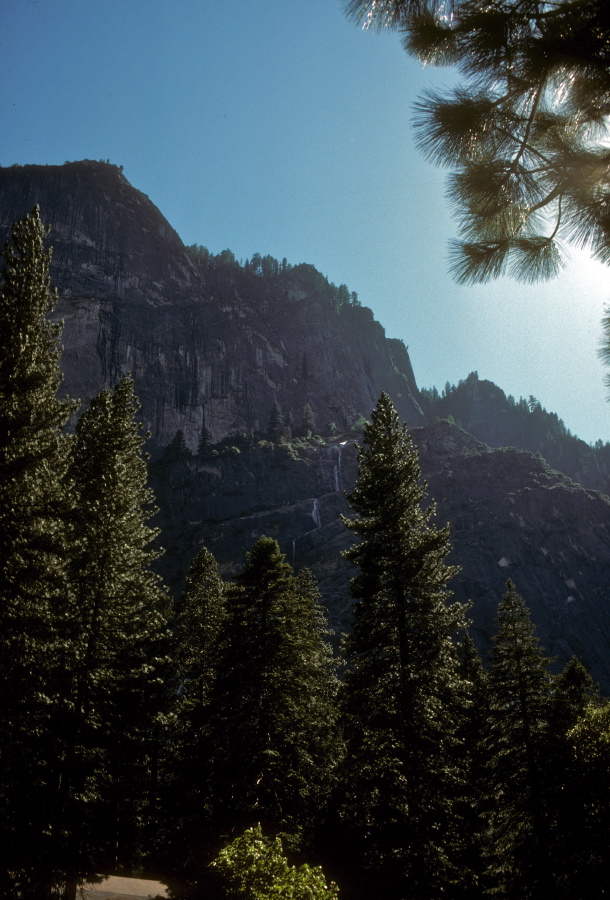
(279, 127)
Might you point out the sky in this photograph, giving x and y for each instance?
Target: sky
(280, 127)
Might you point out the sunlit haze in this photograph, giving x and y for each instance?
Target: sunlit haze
(281, 128)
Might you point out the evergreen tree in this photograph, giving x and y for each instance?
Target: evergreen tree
(118, 634)
(585, 867)
(33, 557)
(272, 728)
(520, 695)
(470, 806)
(399, 698)
(198, 620)
(576, 791)
(275, 427)
(308, 423)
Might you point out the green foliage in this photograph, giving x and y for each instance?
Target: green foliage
(359, 424)
(34, 552)
(308, 422)
(275, 426)
(526, 134)
(473, 712)
(255, 868)
(118, 639)
(272, 725)
(580, 842)
(198, 620)
(399, 699)
(520, 702)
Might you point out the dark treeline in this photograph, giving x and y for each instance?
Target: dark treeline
(224, 266)
(200, 742)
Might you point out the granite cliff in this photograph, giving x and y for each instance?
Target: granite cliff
(213, 345)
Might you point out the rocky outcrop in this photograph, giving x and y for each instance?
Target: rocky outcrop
(481, 408)
(514, 517)
(214, 346)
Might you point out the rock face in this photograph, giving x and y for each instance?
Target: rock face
(511, 517)
(481, 408)
(216, 344)
(213, 346)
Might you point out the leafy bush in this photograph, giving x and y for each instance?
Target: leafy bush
(254, 868)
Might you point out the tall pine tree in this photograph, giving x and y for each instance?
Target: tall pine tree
(33, 556)
(520, 696)
(197, 624)
(118, 634)
(399, 694)
(273, 737)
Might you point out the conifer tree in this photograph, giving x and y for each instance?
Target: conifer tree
(399, 697)
(470, 806)
(525, 133)
(33, 555)
(275, 427)
(520, 695)
(118, 634)
(577, 791)
(273, 739)
(198, 619)
(197, 623)
(585, 866)
(308, 423)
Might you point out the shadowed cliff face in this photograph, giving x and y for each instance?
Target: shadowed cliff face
(483, 409)
(214, 347)
(219, 346)
(511, 517)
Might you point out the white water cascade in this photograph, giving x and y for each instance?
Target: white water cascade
(315, 514)
(337, 473)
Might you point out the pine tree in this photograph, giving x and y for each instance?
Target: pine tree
(585, 866)
(198, 619)
(197, 624)
(399, 697)
(520, 696)
(275, 426)
(33, 556)
(470, 806)
(118, 634)
(575, 791)
(308, 423)
(525, 134)
(273, 739)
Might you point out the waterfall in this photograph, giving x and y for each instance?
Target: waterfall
(337, 473)
(315, 514)
(294, 550)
